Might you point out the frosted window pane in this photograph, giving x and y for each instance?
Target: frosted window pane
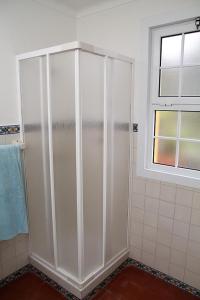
(164, 152)
(190, 125)
(171, 51)
(191, 81)
(192, 49)
(165, 123)
(189, 155)
(169, 82)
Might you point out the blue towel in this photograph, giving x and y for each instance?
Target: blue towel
(13, 217)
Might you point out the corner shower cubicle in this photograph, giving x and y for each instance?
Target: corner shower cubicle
(76, 106)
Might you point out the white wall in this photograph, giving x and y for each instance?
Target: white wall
(120, 28)
(165, 223)
(26, 25)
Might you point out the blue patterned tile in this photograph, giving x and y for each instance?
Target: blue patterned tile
(9, 129)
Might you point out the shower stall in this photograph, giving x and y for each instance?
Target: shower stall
(75, 104)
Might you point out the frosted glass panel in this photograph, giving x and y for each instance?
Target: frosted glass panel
(118, 156)
(192, 49)
(34, 110)
(189, 155)
(169, 82)
(64, 155)
(171, 51)
(164, 152)
(190, 125)
(166, 123)
(191, 80)
(92, 96)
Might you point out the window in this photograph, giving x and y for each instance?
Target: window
(180, 65)
(177, 139)
(174, 100)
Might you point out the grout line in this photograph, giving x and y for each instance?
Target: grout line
(157, 227)
(172, 233)
(187, 246)
(144, 195)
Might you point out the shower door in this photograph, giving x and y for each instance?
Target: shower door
(118, 156)
(37, 168)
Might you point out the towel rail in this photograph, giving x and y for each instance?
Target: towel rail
(18, 142)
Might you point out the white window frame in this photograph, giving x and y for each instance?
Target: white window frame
(147, 83)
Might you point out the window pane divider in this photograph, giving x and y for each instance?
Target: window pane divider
(175, 104)
(176, 139)
(178, 66)
(181, 66)
(169, 67)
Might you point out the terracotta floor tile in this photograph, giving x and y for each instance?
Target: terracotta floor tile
(134, 284)
(29, 287)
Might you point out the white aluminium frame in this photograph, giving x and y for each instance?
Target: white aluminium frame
(80, 282)
(144, 93)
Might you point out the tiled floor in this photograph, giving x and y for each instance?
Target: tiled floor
(130, 284)
(29, 287)
(134, 284)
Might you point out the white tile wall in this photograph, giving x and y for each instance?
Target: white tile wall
(168, 192)
(194, 249)
(14, 252)
(149, 246)
(195, 219)
(166, 209)
(13, 255)
(196, 200)
(192, 278)
(176, 271)
(195, 233)
(178, 257)
(166, 229)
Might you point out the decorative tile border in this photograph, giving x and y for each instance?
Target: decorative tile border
(104, 283)
(9, 129)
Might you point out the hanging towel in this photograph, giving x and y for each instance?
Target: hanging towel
(13, 217)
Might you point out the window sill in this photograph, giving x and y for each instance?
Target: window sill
(168, 177)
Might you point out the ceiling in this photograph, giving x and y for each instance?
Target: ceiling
(84, 6)
(79, 5)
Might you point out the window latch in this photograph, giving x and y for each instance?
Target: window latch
(135, 127)
(197, 23)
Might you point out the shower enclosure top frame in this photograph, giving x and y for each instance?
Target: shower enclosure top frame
(74, 46)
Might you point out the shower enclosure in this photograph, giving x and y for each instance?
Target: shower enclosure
(75, 104)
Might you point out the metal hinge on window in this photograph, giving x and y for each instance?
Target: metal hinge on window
(163, 105)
